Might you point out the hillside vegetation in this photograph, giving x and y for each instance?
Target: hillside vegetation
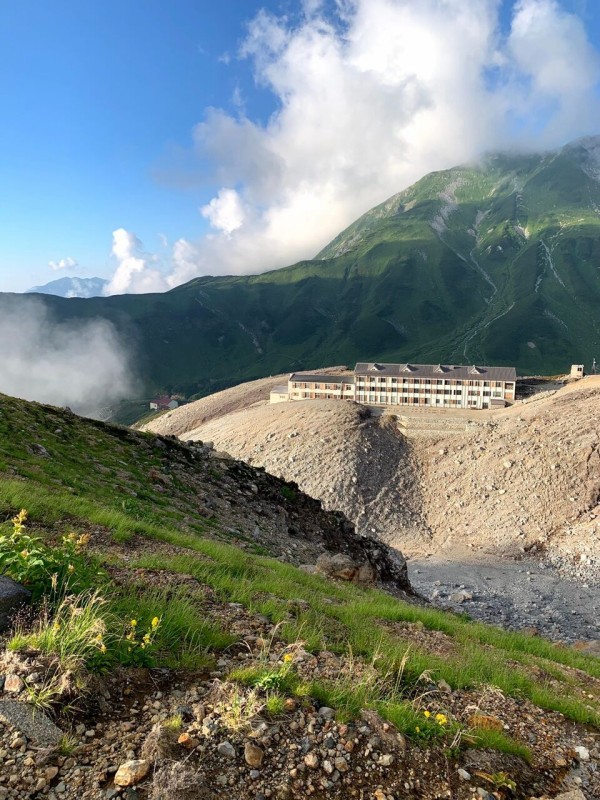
(174, 643)
(491, 263)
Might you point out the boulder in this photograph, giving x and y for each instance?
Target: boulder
(12, 597)
(31, 722)
(337, 565)
(132, 772)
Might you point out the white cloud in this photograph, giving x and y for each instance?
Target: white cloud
(136, 272)
(225, 211)
(63, 263)
(44, 360)
(551, 49)
(368, 103)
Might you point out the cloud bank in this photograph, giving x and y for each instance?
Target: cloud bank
(367, 101)
(83, 366)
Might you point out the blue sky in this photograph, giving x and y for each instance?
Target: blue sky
(105, 127)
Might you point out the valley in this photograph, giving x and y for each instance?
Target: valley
(515, 490)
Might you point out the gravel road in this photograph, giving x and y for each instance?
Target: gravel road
(513, 594)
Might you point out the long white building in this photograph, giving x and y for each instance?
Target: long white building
(433, 385)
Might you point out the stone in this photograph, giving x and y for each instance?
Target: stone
(463, 774)
(12, 597)
(386, 760)
(338, 566)
(253, 755)
(583, 754)
(32, 723)
(39, 450)
(460, 597)
(485, 722)
(187, 741)
(132, 772)
(574, 794)
(386, 732)
(590, 647)
(226, 749)
(50, 773)
(13, 683)
(326, 712)
(341, 764)
(311, 760)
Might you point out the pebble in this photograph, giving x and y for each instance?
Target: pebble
(253, 755)
(226, 749)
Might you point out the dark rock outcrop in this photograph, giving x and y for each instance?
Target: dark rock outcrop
(12, 597)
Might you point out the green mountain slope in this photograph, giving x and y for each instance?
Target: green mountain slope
(497, 262)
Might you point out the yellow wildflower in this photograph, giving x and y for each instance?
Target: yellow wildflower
(442, 719)
(427, 714)
(155, 622)
(133, 623)
(83, 540)
(418, 730)
(70, 569)
(288, 657)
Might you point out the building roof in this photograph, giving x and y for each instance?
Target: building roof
(280, 389)
(448, 371)
(307, 377)
(161, 400)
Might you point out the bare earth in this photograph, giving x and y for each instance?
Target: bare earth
(514, 484)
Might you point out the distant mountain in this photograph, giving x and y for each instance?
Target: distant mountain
(497, 262)
(72, 287)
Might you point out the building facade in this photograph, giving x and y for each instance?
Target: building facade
(432, 385)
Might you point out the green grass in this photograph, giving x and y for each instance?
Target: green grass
(354, 620)
(87, 483)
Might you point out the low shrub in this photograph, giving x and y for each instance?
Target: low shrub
(44, 568)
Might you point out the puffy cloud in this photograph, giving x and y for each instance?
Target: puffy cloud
(368, 100)
(561, 68)
(225, 211)
(63, 263)
(136, 272)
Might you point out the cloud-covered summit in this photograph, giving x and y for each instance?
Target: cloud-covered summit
(369, 100)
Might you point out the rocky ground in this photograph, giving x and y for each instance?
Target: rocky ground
(155, 734)
(207, 733)
(518, 595)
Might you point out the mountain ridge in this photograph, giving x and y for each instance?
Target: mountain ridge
(70, 287)
(493, 263)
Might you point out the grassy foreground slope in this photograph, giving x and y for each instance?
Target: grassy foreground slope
(169, 550)
(493, 263)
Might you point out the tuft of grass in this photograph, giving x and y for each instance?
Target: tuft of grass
(77, 631)
(67, 744)
(174, 723)
(275, 704)
(496, 740)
